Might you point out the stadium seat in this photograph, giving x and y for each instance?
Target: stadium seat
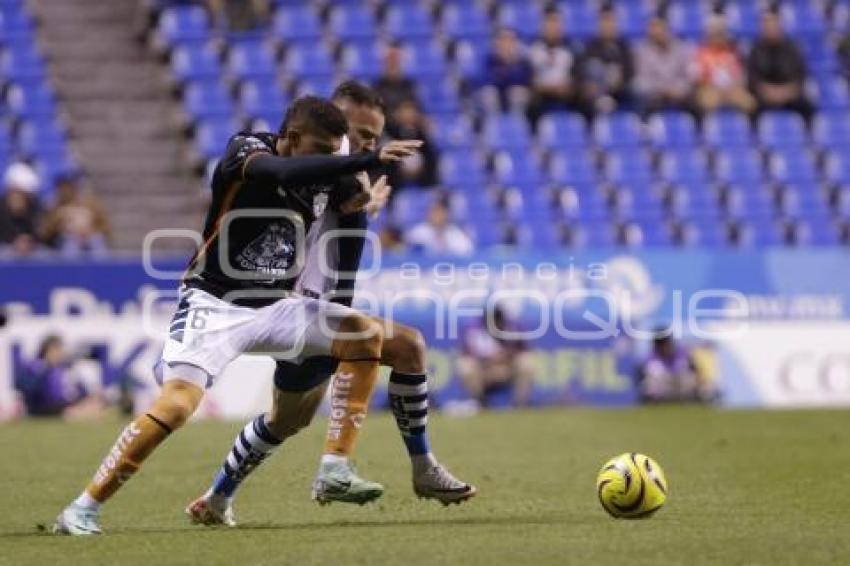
(684, 165)
(439, 96)
(618, 130)
(727, 129)
(517, 168)
(408, 21)
(837, 168)
(632, 17)
(687, 18)
(506, 131)
(628, 166)
(562, 130)
(317, 86)
(462, 168)
(296, 23)
(28, 100)
(833, 93)
(361, 61)
(251, 60)
(673, 129)
(195, 62)
(832, 129)
(211, 136)
(465, 21)
(352, 22)
(580, 18)
(742, 18)
(426, 61)
(523, 17)
(802, 18)
(179, 24)
(22, 65)
(308, 60)
(793, 167)
(781, 129)
(740, 165)
(452, 131)
(572, 167)
(206, 100)
(42, 140)
(259, 98)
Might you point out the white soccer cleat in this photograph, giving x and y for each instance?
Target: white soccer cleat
(77, 521)
(206, 511)
(438, 483)
(339, 482)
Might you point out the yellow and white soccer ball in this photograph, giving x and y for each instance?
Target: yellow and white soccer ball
(631, 486)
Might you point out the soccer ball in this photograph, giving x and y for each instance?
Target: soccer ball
(631, 486)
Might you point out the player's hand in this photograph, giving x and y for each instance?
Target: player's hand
(396, 150)
(356, 203)
(380, 193)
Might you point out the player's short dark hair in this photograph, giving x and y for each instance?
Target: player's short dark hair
(358, 93)
(312, 112)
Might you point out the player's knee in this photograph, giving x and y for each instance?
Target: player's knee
(177, 403)
(361, 337)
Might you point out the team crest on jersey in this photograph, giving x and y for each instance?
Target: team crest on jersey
(271, 253)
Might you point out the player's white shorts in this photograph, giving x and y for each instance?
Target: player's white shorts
(208, 333)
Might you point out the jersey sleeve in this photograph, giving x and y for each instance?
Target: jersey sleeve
(239, 149)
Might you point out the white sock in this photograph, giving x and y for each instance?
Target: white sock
(332, 461)
(423, 462)
(87, 501)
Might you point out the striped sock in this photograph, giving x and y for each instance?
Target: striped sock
(250, 448)
(408, 395)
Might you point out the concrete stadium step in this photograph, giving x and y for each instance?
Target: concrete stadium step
(117, 103)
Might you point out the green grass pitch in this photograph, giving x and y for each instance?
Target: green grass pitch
(746, 488)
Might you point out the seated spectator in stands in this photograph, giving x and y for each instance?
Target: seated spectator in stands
(777, 70)
(507, 74)
(494, 359)
(605, 69)
(49, 387)
(438, 235)
(19, 210)
(552, 60)
(409, 123)
(392, 239)
(393, 86)
(720, 75)
(663, 72)
(76, 224)
(241, 15)
(671, 374)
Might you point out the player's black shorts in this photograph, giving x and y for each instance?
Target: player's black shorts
(297, 378)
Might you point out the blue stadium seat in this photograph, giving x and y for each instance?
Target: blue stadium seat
(460, 168)
(317, 86)
(746, 202)
(193, 62)
(410, 207)
(297, 23)
(207, 100)
(439, 96)
(179, 24)
(781, 129)
(838, 168)
(628, 166)
(308, 60)
(520, 167)
(793, 167)
(426, 60)
(260, 98)
(833, 93)
(802, 18)
(580, 18)
(361, 61)
(683, 165)
(742, 18)
(673, 130)
(408, 21)
(29, 100)
(469, 58)
(632, 16)
(523, 17)
(452, 131)
(465, 21)
(689, 201)
(251, 60)
(562, 130)
(739, 166)
(43, 139)
(506, 131)
(687, 18)
(22, 64)
(618, 130)
(211, 136)
(352, 22)
(572, 168)
(727, 129)
(817, 233)
(832, 129)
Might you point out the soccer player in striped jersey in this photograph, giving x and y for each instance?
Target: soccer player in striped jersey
(238, 295)
(299, 388)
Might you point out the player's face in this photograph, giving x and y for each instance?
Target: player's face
(365, 126)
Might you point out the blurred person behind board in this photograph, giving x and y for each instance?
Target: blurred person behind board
(663, 75)
(493, 360)
(552, 59)
(49, 387)
(394, 86)
(438, 235)
(720, 75)
(671, 373)
(77, 223)
(420, 170)
(605, 68)
(19, 210)
(507, 74)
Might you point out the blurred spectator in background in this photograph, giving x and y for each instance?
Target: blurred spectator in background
(393, 86)
(777, 70)
(671, 374)
(241, 15)
(552, 61)
(420, 170)
(77, 223)
(844, 54)
(20, 210)
(663, 75)
(50, 388)
(720, 75)
(507, 74)
(605, 68)
(438, 235)
(392, 239)
(494, 359)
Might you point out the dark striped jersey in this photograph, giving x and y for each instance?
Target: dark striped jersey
(262, 206)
